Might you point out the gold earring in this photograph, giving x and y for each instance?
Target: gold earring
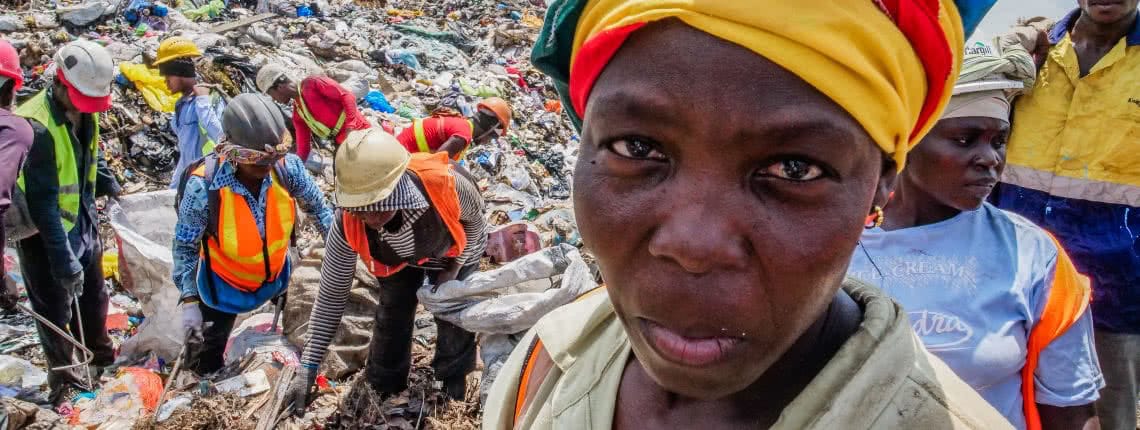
(875, 220)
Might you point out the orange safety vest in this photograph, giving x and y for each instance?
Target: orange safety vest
(434, 171)
(1068, 300)
(237, 253)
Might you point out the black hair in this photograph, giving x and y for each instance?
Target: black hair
(485, 120)
(8, 93)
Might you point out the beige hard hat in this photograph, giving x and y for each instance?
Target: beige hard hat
(268, 75)
(368, 165)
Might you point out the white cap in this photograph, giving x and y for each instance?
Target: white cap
(268, 75)
(87, 67)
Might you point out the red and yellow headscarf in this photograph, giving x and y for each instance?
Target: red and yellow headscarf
(891, 64)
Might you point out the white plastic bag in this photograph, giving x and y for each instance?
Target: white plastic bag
(144, 229)
(512, 298)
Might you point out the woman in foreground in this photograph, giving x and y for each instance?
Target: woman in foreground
(988, 292)
(728, 163)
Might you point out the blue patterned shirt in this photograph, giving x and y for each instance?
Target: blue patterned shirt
(193, 213)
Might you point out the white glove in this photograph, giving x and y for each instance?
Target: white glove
(191, 319)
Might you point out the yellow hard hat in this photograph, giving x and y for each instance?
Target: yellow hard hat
(367, 167)
(176, 47)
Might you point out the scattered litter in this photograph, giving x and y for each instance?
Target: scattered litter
(402, 60)
(245, 385)
(17, 372)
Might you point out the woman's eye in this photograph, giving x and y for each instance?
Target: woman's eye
(793, 170)
(637, 149)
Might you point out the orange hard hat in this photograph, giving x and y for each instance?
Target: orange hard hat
(501, 109)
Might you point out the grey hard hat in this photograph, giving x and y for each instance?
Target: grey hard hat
(254, 121)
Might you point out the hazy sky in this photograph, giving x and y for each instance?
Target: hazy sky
(1006, 12)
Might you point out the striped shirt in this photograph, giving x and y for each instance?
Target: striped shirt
(339, 264)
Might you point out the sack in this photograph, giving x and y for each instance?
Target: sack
(18, 223)
(144, 229)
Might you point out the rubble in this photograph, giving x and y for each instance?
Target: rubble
(83, 14)
(403, 59)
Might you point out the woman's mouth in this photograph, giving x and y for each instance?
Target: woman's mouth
(700, 351)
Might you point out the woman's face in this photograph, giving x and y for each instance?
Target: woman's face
(960, 161)
(723, 197)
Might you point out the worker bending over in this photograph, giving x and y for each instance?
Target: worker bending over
(62, 264)
(198, 113)
(321, 106)
(453, 134)
(236, 221)
(409, 217)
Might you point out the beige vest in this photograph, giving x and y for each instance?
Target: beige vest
(882, 377)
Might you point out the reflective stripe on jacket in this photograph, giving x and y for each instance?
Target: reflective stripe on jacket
(38, 108)
(237, 253)
(422, 141)
(1073, 168)
(319, 129)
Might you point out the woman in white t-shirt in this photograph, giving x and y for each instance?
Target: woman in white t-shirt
(991, 294)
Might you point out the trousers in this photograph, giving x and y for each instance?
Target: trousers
(1119, 355)
(389, 355)
(51, 300)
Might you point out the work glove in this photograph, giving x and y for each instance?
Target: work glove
(191, 320)
(297, 393)
(73, 284)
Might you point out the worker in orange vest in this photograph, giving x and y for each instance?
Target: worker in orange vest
(453, 134)
(411, 218)
(236, 222)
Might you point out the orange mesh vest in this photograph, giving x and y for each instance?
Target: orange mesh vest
(434, 171)
(1068, 300)
(237, 252)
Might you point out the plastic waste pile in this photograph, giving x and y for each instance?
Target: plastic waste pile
(402, 59)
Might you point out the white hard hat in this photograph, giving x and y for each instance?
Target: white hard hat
(268, 75)
(87, 71)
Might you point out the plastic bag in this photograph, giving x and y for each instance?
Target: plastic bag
(377, 101)
(144, 230)
(252, 336)
(124, 399)
(152, 86)
(17, 372)
(512, 298)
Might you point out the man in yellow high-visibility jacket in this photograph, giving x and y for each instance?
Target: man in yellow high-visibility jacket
(62, 264)
(1074, 169)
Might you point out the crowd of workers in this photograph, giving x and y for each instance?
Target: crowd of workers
(875, 228)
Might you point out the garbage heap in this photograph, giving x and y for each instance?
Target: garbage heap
(403, 59)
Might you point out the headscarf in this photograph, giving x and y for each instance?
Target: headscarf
(990, 103)
(1012, 61)
(991, 76)
(890, 64)
(246, 154)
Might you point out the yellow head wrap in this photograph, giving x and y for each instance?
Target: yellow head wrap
(850, 50)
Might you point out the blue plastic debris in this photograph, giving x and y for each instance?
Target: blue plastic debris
(377, 101)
